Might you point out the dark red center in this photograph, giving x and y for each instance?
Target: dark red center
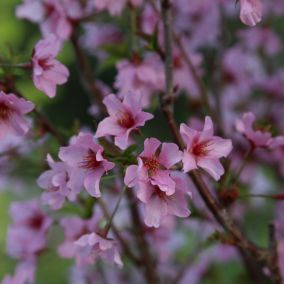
(200, 149)
(89, 161)
(126, 120)
(36, 222)
(152, 165)
(5, 111)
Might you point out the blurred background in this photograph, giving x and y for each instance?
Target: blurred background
(69, 111)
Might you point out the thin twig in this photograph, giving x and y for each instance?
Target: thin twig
(262, 256)
(87, 74)
(141, 241)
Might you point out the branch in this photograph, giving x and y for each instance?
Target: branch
(87, 74)
(139, 234)
(262, 256)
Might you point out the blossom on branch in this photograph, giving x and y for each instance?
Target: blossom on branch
(125, 117)
(251, 12)
(85, 157)
(59, 184)
(203, 149)
(93, 246)
(47, 71)
(12, 110)
(154, 165)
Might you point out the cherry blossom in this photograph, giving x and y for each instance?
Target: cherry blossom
(203, 149)
(12, 111)
(259, 138)
(85, 156)
(47, 71)
(251, 12)
(93, 246)
(125, 117)
(158, 204)
(58, 183)
(27, 234)
(154, 165)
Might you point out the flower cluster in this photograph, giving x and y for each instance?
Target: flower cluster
(151, 155)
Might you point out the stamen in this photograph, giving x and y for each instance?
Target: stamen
(89, 161)
(5, 111)
(125, 119)
(152, 165)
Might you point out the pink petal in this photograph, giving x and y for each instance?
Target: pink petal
(211, 166)
(170, 155)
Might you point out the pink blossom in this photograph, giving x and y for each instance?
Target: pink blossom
(12, 119)
(124, 117)
(159, 205)
(93, 246)
(55, 17)
(74, 228)
(258, 138)
(85, 156)
(97, 36)
(183, 77)
(114, 7)
(154, 165)
(58, 183)
(203, 149)
(24, 274)
(27, 234)
(47, 71)
(145, 75)
(263, 39)
(251, 12)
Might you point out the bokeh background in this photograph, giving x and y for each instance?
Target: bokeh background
(69, 111)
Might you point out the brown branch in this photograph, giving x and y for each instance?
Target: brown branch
(200, 84)
(141, 241)
(87, 74)
(121, 240)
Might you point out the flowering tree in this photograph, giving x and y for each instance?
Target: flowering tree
(174, 179)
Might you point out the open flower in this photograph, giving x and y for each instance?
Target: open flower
(47, 71)
(58, 183)
(12, 110)
(158, 204)
(125, 117)
(27, 234)
(203, 149)
(143, 75)
(93, 246)
(251, 12)
(154, 165)
(85, 156)
(258, 138)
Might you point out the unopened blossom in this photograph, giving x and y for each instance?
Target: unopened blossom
(204, 150)
(154, 166)
(143, 75)
(12, 115)
(259, 137)
(93, 246)
(24, 274)
(158, 204)
(27, 233)
(47, 71)
(86, 159)
(124, 117)
(59, 184)
(251, 12)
